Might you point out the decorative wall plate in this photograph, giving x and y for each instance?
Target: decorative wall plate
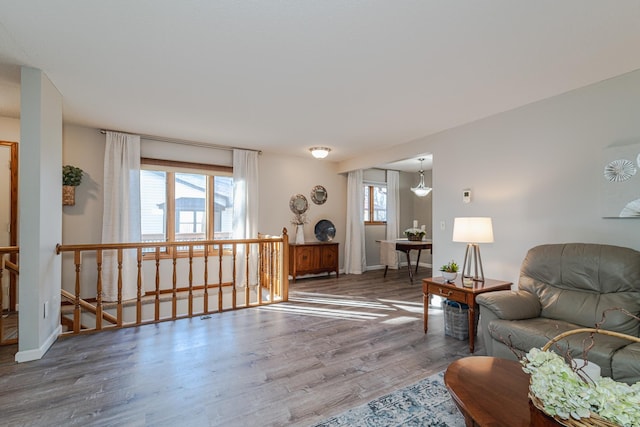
(319, 194)
(298, 204)
(619, 170)
(325, 230)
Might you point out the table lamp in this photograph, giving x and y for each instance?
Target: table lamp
(473, 230)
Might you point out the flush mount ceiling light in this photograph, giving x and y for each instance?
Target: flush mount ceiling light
(319, 152)
(421, 190)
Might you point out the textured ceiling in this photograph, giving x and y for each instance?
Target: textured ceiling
(282, 76)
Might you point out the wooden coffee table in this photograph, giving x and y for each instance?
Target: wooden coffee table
(493, 392)
(457, 292)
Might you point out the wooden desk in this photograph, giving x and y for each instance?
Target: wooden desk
(456, 292)
(493, 392)
(407, 246)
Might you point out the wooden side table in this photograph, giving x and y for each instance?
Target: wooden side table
(456, 292)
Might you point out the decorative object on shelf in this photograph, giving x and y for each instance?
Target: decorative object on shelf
(320, 152)
(421, 190)
(299, 220)
(71, 178)
(449, 271)
(619, 170)
(319, 194)
(325, 230)
(573, 398)
(473, 230)
(619, 180)
(298, 204)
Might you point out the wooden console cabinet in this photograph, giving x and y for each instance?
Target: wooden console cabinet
(313, 258)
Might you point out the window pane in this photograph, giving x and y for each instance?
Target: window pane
(380, 204)
(366, 203)
(223, 207)
(190, 205)
(153, 206)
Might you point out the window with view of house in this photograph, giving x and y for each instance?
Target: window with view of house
(375, 204)
(181, 202)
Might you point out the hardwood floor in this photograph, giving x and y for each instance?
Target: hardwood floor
(337, 344)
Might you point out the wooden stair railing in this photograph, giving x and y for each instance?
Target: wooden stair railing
(264, 259)
(9, 319)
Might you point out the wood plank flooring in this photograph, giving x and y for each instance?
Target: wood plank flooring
(337, 344)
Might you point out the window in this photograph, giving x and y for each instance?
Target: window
(375, 204)
(182, 201)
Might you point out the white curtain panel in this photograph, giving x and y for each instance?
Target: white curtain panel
(354, 249)
(393, 209)
(245, 210)
(121, 216)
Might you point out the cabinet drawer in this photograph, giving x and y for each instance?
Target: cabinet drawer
(448, 293)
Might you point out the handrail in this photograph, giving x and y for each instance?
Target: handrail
(250, 272)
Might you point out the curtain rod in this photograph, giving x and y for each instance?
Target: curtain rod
(182, 141)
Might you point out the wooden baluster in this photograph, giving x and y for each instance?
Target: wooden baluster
(174, 281)
(99, 290)
(139, 283)
(284, 271)
(206, 280)
(157, 298)
(263, 266)
(233, 278)
(272, 274)
(220, 278)
(119, 306)
(246, 286)
(76, 308)
(190, 280)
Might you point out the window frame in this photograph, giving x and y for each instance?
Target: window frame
(370, 189)
(171, 168)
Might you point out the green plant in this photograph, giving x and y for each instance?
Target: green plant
(71, 175)
(451, 267)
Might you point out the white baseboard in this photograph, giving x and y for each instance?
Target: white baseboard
(36, 354)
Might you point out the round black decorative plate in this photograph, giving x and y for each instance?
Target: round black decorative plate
(325, 230)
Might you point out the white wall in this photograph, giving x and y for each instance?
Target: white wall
(284, 176)
(535, 170)
(40, 215)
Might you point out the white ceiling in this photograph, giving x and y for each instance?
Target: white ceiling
(282, 76)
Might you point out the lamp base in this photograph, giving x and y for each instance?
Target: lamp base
(472, 258)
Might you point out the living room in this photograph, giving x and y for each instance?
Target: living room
(535, 167)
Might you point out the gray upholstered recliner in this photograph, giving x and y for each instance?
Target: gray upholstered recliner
(564, 287)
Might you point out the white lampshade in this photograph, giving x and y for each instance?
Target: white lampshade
(473, 230)
(319, 152)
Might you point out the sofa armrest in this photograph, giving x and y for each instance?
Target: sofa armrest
(511, 305)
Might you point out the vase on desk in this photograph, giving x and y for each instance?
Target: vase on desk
(299, 234)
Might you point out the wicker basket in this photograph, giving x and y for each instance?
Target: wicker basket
(594, 419)
(456, 319)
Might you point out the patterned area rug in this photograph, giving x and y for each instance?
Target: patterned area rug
(425, 403)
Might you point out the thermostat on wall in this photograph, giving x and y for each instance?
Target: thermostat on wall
(466, 195)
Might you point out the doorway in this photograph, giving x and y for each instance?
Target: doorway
(9, 219)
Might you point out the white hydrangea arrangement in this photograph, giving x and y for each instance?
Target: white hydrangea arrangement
(565, 394)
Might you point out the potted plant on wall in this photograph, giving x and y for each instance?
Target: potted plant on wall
(71, 178)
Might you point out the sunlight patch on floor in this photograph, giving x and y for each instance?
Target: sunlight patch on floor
(322, 312)
(401, 320)
(341, 301)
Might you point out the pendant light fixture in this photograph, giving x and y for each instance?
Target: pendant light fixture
(421, 190)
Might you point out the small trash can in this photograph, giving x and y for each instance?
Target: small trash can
(456, 319)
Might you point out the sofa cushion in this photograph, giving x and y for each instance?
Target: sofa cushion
(524, 335)
(577, 282)
(625, 364)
